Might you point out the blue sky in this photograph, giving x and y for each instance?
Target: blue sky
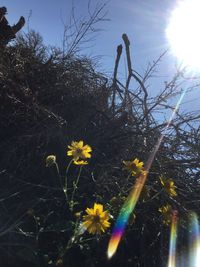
(144, 21)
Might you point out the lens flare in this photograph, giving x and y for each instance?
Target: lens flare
(194, 254)
(125, 212)
(173, 238)
(134, 195)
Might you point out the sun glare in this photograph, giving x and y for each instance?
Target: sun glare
(183, 33)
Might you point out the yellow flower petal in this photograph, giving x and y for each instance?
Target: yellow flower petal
(98, 208)
(80, 143)
(168, 185)
(80, 162)
(90, 211)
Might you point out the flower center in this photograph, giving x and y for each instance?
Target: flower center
(79, 151)
(96, 219)
(134, 167)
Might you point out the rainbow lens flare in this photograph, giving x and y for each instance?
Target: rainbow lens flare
(125, 212)
(173, 238)
(194, 253)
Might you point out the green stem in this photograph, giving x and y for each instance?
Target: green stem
(157, 194)
(72, 240)
(58, 172)
(74, 189)
(122, 189)
(65, 181)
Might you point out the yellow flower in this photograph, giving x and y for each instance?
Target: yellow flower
(80, 162)
(79, 151)
(168, 185)
(135, 167)
(50, 160)
(166, 213)
(96, 220)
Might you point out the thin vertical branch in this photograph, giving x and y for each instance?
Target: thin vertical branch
(114, 85)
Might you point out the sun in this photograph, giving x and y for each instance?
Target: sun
(183, 33)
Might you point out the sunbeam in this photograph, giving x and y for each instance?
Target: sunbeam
(173, 238)
(194, 253)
